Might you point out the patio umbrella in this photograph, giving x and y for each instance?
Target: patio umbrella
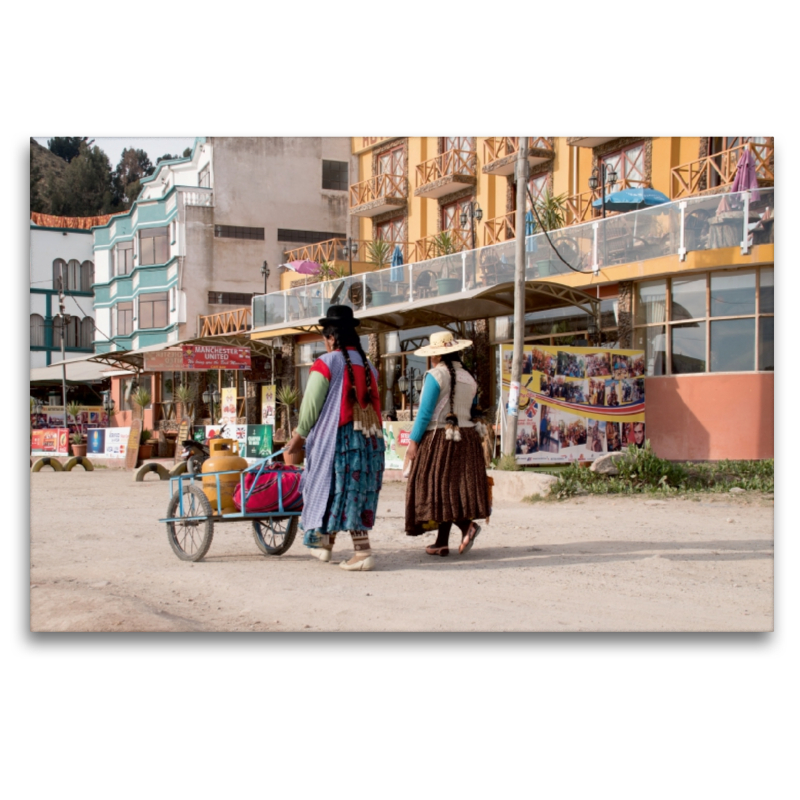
(746, 176)
(396, 272)
(530, 227)
(303, 267)
(632, 199)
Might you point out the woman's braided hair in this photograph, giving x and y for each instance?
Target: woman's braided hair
(449, 360)
(344, 337)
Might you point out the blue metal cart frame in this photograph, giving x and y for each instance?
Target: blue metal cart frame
(191, 518)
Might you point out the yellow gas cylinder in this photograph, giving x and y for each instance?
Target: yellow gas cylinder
(224, 455)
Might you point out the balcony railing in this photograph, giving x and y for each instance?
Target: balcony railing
(500, 229)
(198, 197)
(331, 250)
(579, 207)
(378, 187)
(233, 321)
(448, 164)
(719, 170)
(497, 147)
(670, 229)
(432, 246)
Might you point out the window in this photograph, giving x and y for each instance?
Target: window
(70, 273)
(37, 330)
(71, 331)
(307, 237)
(393, 230)
(124, 319)
(87, 333)
(628, 163)
(458, 143)
(392, 162)
(123, 258)
(334, 175)
(154, 246)
(230, 298)
(538, 188)
(714, 322)
(87, 276)
(204, 178)
(59, 270)
(451, 213)
(153, 310)
(128, 387)
(238, 232)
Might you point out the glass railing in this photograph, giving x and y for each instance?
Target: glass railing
(700, 223)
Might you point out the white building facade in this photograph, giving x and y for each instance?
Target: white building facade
(60, 253)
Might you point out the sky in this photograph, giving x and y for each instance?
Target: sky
(154, 146)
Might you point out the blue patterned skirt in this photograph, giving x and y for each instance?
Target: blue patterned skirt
(357, 480)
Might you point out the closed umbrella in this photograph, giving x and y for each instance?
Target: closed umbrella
(396, 271)
(530, 227)
(746, 176)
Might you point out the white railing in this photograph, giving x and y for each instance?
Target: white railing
(671, 229)
(198, 197)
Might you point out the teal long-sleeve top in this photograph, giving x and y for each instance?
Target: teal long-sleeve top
(427, 405)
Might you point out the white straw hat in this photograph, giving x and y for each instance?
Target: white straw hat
(442, 343)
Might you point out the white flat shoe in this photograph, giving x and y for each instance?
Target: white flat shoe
(321, 553)
(364, 564)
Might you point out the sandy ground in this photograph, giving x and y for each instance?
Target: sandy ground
(100, 561)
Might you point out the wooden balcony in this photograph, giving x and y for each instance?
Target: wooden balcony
(234, 321)
(500, 153)
(579, 207)
(429, 247)
(589, 141)
(330, 251)
(716, 172)
(377, 195)
(500, 229)
(447, 173)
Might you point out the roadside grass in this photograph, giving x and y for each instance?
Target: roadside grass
(642, 471)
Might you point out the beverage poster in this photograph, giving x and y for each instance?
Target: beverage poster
(576, 403)
(396, 435)
(268, 404)
(228, 402)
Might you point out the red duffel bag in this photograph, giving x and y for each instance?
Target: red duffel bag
(264, 496)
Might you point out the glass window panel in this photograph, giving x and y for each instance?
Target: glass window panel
(688, 348)
(733, 345)
(688, 298)
(733, 294)
(654, 343)
(767, 280)
(651, 302)
(766, 348)
(160, 314)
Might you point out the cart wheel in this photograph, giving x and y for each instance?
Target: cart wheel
(190, 539)
(274, 535)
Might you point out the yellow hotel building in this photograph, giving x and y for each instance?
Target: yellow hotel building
(689, 281)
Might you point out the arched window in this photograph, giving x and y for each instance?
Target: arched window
(71, 332)
(73, 283)
(87, 333)
(37, 330)
(59, 269)
(87, 276)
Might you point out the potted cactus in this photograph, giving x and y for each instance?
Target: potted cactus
(78, 445)
(145, 445)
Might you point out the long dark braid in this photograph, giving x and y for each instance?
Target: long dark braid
(342, 339)
(449, 359)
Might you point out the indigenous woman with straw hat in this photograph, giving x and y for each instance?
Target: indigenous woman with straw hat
(447, 482)
(340, 419)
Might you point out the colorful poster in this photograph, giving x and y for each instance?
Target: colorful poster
(116, 442)
(576, 403)
(202, 357)
(259, 441)
(96, 443)
(397, 436)
(50, 442)
(53, 417)
(228, 402)
(268, 405)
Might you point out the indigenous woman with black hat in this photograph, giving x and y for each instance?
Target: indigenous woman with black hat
(340, 419)
(447, 482)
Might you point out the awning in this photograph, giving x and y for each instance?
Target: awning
(479, 303)
(79, 370)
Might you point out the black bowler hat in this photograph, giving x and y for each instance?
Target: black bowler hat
(341, 316)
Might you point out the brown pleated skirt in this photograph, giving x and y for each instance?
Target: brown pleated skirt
(447, 482)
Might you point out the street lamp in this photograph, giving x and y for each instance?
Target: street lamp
(108, 405)
(592, 332)
(349, 250)
(474, 212)
(265, 273)
(210, 398)
(407, 385)
(608, 175)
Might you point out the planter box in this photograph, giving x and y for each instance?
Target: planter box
(381, 298)
(79, 449)
(448, 285)
(145, 451)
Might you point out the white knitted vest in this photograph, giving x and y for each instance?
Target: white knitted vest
(466, 388)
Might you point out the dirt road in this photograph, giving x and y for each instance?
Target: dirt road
(100, 561)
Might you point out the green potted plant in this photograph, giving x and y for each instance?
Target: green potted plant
(379, 253)
(141, 397)
(551, 213)
(145, 445)
(78, 445)
(288, 399)
(443, 245)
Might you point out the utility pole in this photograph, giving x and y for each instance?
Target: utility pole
(63, 317)
(509, 445)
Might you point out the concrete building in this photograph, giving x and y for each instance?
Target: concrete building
(60, 248)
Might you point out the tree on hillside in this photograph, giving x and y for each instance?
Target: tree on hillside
(37, 201)
(167, 157)
(133, 166)
(86, 188)
(187, 152)
(67, 147)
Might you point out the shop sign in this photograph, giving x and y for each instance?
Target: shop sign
(397, 437)
(197, 357)
(50, 442)
(575, 403)
(164, 361)
(268, 404)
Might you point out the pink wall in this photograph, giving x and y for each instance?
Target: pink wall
(711, 417)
